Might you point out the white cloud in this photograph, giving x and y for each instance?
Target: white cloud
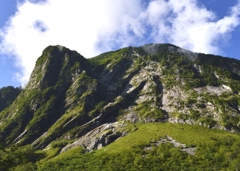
(191, 26)
(92, 27)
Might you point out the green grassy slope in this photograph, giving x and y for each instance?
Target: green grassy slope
(215, 150)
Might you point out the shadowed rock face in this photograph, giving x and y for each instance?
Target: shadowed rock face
(70, 97)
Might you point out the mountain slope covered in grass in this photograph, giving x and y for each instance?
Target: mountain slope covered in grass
(126, 104)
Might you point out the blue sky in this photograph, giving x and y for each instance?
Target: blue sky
(95, 26)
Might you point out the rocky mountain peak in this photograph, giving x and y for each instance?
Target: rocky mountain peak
(56, 63)
(69, 97)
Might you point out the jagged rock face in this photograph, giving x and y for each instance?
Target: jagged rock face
(42, 102)
(55, 64)
(70, 97)
(98, 137)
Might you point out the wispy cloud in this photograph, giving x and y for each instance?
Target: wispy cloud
(92, 27)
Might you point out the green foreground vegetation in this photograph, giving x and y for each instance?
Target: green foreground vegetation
(215, 150)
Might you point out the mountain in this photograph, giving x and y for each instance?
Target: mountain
(8, 95)
(71, 101)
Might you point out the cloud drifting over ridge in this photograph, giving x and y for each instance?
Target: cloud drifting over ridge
(92, 27)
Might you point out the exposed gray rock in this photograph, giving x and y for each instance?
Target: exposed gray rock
(98, 137)
(214, 90)
(168, 139)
